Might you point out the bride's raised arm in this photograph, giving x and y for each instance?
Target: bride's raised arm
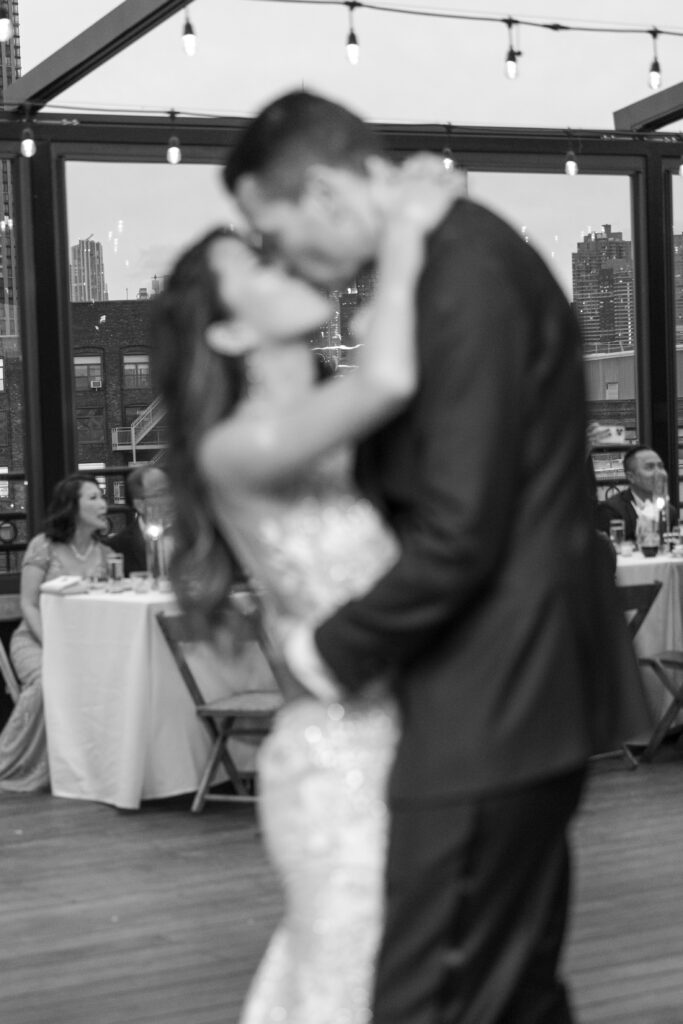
(255, 450)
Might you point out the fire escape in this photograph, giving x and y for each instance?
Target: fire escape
(145, 433)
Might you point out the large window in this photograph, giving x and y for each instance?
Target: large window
(120, 248)
(582, 227)
(677, 190)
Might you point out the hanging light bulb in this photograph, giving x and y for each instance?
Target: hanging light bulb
(448, 159)
(28, 143)
(511, 69)
(6, 26)
(655, 76)
(352, 46)
(571, 166)
(189, 37)
(174, 153)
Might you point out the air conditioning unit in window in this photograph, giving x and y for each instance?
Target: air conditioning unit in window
(96, 383)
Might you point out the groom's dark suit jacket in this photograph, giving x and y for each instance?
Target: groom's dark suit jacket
(511, 656)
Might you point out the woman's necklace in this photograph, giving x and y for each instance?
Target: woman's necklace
(77, 553)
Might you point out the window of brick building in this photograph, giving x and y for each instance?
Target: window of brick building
(88, 372)
(90, 426)
(136, 370)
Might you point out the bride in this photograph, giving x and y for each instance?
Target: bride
(260, 459)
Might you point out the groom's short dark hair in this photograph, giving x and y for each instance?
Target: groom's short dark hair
(292, 133)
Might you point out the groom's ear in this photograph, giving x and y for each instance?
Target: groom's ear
(230, 337)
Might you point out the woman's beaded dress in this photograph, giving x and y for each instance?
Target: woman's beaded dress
(313, 545)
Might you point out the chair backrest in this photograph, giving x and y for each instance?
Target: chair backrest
(248, 624)
(245, 600)
(636, 601)
(177, 631)
(611, 490)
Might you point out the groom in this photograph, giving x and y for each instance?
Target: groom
(498, 621)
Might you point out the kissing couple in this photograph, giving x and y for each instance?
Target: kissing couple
(420, 529)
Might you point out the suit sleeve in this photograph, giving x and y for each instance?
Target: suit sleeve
(468, 421)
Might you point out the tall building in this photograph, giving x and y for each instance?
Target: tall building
(87, 272)
(678, 287)
(603, 287)
(10, 69)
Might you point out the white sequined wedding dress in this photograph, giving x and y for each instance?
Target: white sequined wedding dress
(323, 770)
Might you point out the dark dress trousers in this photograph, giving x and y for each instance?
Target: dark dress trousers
(131, 544)
(499, 622)
(620, 506)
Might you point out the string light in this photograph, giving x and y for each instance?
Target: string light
(513, 53)
(6, 26)
(174, 154)
(352, 46)
(28, 143)
(189, 37)
(511, 68)
(655, 76)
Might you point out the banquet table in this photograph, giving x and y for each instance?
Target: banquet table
(121, 726)
(663, 626)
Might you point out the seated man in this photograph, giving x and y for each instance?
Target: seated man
(642, 466)
(142, 483)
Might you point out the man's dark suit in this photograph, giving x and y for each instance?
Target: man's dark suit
(620, 506)
(500, 621)
(131, 544)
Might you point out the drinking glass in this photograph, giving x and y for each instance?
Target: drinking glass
(617, 530)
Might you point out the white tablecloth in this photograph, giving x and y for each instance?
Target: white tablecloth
(662, 629)
(121, 726)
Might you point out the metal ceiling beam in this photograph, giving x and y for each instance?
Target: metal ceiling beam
(655, 111)
(85, 52)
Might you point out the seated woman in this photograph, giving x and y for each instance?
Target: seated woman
(70, 544)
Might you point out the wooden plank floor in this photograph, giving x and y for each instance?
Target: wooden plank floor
(161, 916)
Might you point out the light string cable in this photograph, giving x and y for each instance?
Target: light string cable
(654, 72)
(510, 23)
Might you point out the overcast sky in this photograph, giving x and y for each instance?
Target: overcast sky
(412, 69)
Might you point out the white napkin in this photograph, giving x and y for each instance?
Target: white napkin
(65, 585)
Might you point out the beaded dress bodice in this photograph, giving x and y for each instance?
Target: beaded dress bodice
(312, 545)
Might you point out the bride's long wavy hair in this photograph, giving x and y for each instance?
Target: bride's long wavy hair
(198, 387)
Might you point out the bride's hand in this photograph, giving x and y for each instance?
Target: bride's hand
(424, 191)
